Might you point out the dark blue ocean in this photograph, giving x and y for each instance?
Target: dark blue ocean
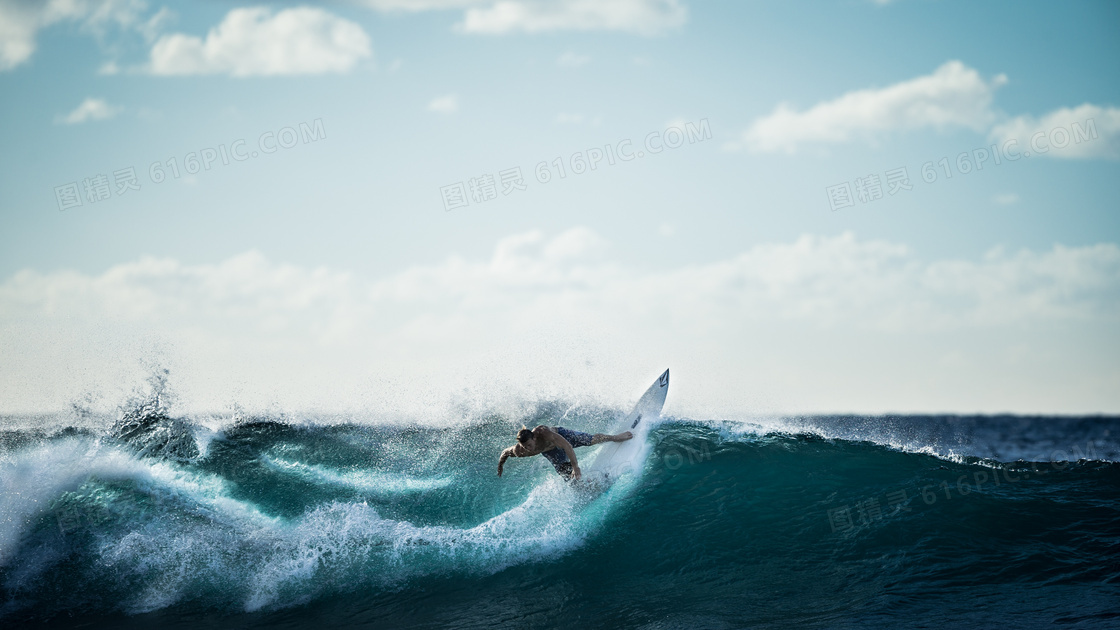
(152, 520)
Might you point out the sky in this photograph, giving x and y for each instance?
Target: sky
(416, 206)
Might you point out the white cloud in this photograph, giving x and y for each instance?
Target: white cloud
(419, 5)
(1083, 132)
(21, 21)
(645, 17)
(491, 17)
(819, 318)
(679, 123)
(953, 96)
(447, 104)
(153, 26)
(90, 109)
(254, 42)
(572, 60)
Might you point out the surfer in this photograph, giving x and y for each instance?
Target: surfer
(556, 444)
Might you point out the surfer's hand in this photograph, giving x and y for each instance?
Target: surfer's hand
(499, 470)
(626, 435)
(576, 473)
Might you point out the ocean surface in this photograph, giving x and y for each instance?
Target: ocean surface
(149, 519)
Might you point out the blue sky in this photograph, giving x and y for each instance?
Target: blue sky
(324, 273)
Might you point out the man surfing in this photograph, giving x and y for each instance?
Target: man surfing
(557, 444)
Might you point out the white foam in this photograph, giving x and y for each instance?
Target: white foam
(340, 545)
(30, 479)
(364, 480)
(203, 540)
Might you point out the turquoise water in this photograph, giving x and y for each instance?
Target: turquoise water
(817, 522)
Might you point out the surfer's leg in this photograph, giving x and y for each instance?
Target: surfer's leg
(599, 438)
(576, 438)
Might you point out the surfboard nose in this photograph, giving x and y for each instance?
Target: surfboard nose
(663, 380)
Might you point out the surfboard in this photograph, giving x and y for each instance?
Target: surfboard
(616, 458)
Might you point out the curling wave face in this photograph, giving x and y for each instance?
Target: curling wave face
(820, 522)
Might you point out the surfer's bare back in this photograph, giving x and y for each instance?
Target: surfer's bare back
(557, 445)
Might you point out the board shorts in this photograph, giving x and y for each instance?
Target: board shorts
(559, 458)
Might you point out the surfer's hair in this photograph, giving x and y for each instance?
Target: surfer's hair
(524, 435)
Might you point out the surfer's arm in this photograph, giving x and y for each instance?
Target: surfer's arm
(502, 460)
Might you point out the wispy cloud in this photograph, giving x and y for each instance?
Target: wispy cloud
(255, 42)
(1084, 132)
(645, 17)
(21, 21)
(89, 109)
(953, 96)
(413, 6)
(820, 280)
(447, 104)
(516, 311)
(494, 17)
(572, 60)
